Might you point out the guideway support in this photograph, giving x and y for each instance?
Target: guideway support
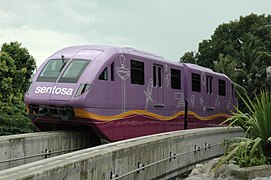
(20, 149)
(160, 156)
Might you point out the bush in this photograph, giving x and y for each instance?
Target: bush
(16, 69)
(256, 148)
(14, 120)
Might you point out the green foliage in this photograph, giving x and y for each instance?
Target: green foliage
(16, 69)
(14, 120)
(243, 152)
(189, 57)
(241, 49)
(24, 65)
(257, 122)
(256, 148)
(249, 153)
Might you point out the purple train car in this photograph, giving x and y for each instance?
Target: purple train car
(121, 93)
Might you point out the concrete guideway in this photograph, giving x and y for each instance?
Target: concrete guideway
(20, 149)
(160, 156)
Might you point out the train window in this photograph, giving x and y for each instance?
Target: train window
(221, 87)
(137, 72)
(103, 75)
(196, 82)
(52, 70)
(112, 71)
(209, 84)
(159, 76)
(74, 71)
(154, 76)
(175, 79)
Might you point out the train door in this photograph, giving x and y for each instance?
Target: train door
(158, 96)
(210, 95)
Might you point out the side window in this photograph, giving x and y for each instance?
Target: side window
(103, 75)
(175, 79)
(137, 72)
(154, 76)
(196, 82)
(112, 71)
(159, 76)
(221, 87)
(209, 84)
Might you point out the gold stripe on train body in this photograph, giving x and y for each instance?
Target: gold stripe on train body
(85, 114)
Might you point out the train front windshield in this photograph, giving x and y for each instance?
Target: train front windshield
(72, 73)
(52, 70)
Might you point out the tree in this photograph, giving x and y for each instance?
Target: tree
(7, 69)
(16, 69)
(25, 64)
(241, 49)
(189, 57)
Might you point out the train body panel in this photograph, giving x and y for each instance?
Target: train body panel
(122, 93)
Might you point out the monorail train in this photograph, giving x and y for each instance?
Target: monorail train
(121, 93)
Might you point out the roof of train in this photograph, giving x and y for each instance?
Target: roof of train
(110, 50)
(72, 50)
(201, 68)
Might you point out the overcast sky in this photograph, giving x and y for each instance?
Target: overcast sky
(165, 27)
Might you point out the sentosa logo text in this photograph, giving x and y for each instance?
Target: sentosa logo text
(54, 90)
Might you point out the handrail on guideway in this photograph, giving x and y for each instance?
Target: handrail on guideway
(171, 156)
(160, 156)
(47, 154)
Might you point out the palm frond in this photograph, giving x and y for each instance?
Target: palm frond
(254, 147)
(226, 158)
(249, 151)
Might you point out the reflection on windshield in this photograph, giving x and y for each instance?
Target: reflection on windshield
(74, 71)
(52, 70)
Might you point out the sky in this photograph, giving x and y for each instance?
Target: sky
(168, 28)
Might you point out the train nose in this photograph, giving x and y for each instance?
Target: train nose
(62, 92)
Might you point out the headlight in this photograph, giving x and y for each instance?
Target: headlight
(82, 89)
